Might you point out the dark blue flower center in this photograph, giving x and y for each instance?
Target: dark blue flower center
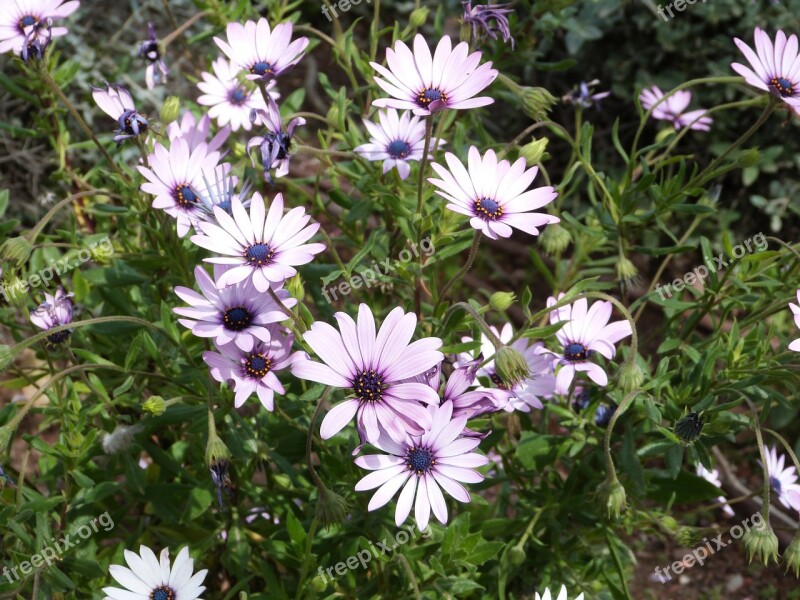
(603, 414)
(132, 122)
(257, 365)
(162, 593)
(27, 21)
(237, 318)
(58, 337)
(575, 352)
(420, 460)
(185, 196)
(261, 68)
(428, 95)
(399, 149)
(150, 50)
(369, 386)
(783, 87)
(487, 209)
(226, 205)
(238, 96)
(259, 255)
(775, 484)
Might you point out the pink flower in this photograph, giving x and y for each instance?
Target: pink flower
(775, 69)
(26, 26)
(672, 109)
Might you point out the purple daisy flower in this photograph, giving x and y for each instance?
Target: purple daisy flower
(234, 313)
(672, 109)
(54, 311)
(492, 193)
(176, 177)
(479, 18)
(254, 370)
(587, 330)
(263, 52)
(261, 245)
(196, 132)
(775, 69)
(426, 84)
(397, 140)
(26, 26)
(274, 144)
(230, 101)
(374, 368)
(783, 481)
(585, 97)
(795, 308)
(156, 71)
(422, 465)
(117, 103)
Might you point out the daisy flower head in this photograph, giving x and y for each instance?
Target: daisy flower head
(115, 100)
(264, 246)
(263, 52)
(471, 402)
(422, 466)
(426, 84)
(156, 71)
(795, 308)
(54, 311)
(231, 102)
(235, 313)
(26, 28)
(221, 190)
(196, 132)
(562, 595)
(585, 96)
(479, 18)
(587, 331)
(396, 140)
(374, 368)
(151, 578)
(274, 144)
(783, 481)
(493, 193)
(254, 370)
(773, 68)
(672, 109)
(712, 477)
(176, 177)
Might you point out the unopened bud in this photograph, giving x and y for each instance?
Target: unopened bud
(612, 493)
(555, 239)
(791, 557)
(534, 151)
(17, 249)
(631, 377)
(170, 110)
(512, 367)
(154, 405)
(536, 102)
(331, 507)
(6, 357)
(418, 17)
(502, 300)
(516, 555)
(761, 543)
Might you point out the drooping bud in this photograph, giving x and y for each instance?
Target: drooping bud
(631, 377)
(534, 151)
(791, 557)
(536, 102)
(761, 543)
(555, 239)
(331, 507)
(17, 249)
(612, 493)
(511, 366)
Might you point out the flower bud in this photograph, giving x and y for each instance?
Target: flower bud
(216, 451)
(690, 427)
(761, 543)
(669, 523)
(555, 239)
(5, 437)
(501, 300)
(170, 110)
(692, 536)
(612, 494)
(534, 151)
(295, 287)
(791, 557)
(418, 17)
(516, 555)
(536, 102)
(627, 273)
(331, 507)
(511, 366)
(154, 405)
(631, 377)
(6, 357)
(17, 249)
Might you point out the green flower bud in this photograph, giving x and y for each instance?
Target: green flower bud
(612, 493)
(631, 377)
(669, 523)
(319, 584)
(511, 366)
(534, 151)
(170, 110)
(692, 536)
(418, 17)
(555, 239)
(761, 543)
(295, 287)
(501, 300)
(6, 357)
(516, 555)
(17, 249)
(154, 405)
(216, 451)
(536, 102)
(465, 33)
(627, 273)
(331, 507)
(791, 557)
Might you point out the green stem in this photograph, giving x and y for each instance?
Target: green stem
(179, 30)
(473, 251)
(478, 319)
(306, 557)
(287, 311)
(423, 163)
(763, 453)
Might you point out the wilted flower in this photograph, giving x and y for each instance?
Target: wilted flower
(274, 144)
(493, 193)
(156, 71)
(263, 52)
(150, 578)
(584, 96)
(479, 18)
(775, 69)
(426, 84)
(397, 140)
(420, 465)
(221, 477)
(230, 100)
(376, 368)
(672, 109)
(689, 427)
(26, 27)
(54, 311)
(117, 103)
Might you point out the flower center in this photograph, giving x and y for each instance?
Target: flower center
(488, 209)
(783, 87)
(428, 95)
(261, 68)
(185, 196)
(238, 96)
(150, 51)
(399, 149)
(575, 352)
(27, 21)
(58, 337)
(420, 460)
(259, 255)
(257, 365)
(132, 122)
(369, 386)
(237, 318)
(162, 593)
(775, 483)
(225, 205)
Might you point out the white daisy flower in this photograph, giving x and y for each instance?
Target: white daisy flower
(149, 578)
